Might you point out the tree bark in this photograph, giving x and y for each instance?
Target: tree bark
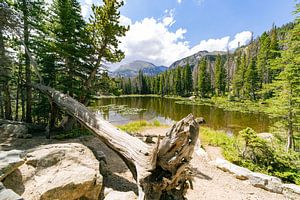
(161, 171)
(27, 64)
(7, 101)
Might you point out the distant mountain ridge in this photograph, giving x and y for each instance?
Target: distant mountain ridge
(194, 59)
(132, 69)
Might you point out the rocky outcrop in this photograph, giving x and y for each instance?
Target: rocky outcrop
(291, 191)
(239, 172)
(15, 130)
(116, 195)
(9, 162)
(266, 182)
(8, 194)
(270, 183)
(57, 171)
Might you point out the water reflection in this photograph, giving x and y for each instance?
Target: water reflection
(167, 111)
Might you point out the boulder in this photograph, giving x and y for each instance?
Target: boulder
(269, 137)
(266, 182)
(192, 98)
(116, 195)
(8, 194)
(238, 172)
(15, 130)
(10, 161)
(291, 191)
(200, 120)
(57, 171)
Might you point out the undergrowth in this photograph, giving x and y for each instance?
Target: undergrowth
(248, 150)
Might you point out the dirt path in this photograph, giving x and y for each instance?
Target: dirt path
(210, 183)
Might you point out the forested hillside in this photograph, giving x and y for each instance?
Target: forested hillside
(53, 44)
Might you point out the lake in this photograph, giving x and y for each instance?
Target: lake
(125, 109)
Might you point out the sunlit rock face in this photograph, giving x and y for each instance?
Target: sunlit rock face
(57, 171)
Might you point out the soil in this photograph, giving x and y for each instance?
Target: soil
(209, 183)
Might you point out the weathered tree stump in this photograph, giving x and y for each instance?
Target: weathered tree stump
(161, 172)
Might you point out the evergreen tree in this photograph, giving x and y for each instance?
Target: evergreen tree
(188, 80)
(178, 79)
(287, 85)
(251, 80)
(220, 76)
(239, 76)
(104, 30)
(203, 79)
(68, 31)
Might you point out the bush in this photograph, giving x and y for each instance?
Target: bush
(156, 123)
(250, 151)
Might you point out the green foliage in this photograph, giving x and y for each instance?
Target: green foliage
(203, 78)
(74, 133)
(220, 76)
(250, 151)
(156, 123)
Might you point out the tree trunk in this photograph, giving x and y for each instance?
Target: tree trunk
(1, 103)
(27, 65)
(18, 91)
(7, 101)
(161, 171)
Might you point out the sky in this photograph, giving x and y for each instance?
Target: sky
(163, 31)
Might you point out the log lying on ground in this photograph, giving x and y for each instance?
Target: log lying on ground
(162, 171)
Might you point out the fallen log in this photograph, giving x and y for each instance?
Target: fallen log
(162, 171)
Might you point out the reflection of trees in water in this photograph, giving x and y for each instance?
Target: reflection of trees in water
(215, 117)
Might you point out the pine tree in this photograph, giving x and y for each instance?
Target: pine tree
(178, 79)
(239, 76)
(287, 85)
(204, 78)
(220, 76)
(104, 30)
(68, 30)
(251, 80)
(188, 80)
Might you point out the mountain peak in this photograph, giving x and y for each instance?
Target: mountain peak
(131, 69)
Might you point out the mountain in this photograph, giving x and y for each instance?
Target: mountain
(132, 69)
(195, 58)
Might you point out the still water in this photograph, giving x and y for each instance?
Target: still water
(167, 111)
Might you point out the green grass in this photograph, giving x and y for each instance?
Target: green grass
(138, 126)
(212, 137)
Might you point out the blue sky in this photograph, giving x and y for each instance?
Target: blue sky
(163, 31)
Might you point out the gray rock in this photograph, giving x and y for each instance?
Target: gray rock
(116, 195)
(16, 130)
(238, 172)
(8, 194)
(200, 120)
(57, 171)
(266, 182)
(10, 161)
(266, 136)
(291, 191)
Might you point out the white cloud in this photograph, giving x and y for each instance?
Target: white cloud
(86, 6)
(212, 45)
(152, 40)
(241, 39)
(179, 1)
(125, 20)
